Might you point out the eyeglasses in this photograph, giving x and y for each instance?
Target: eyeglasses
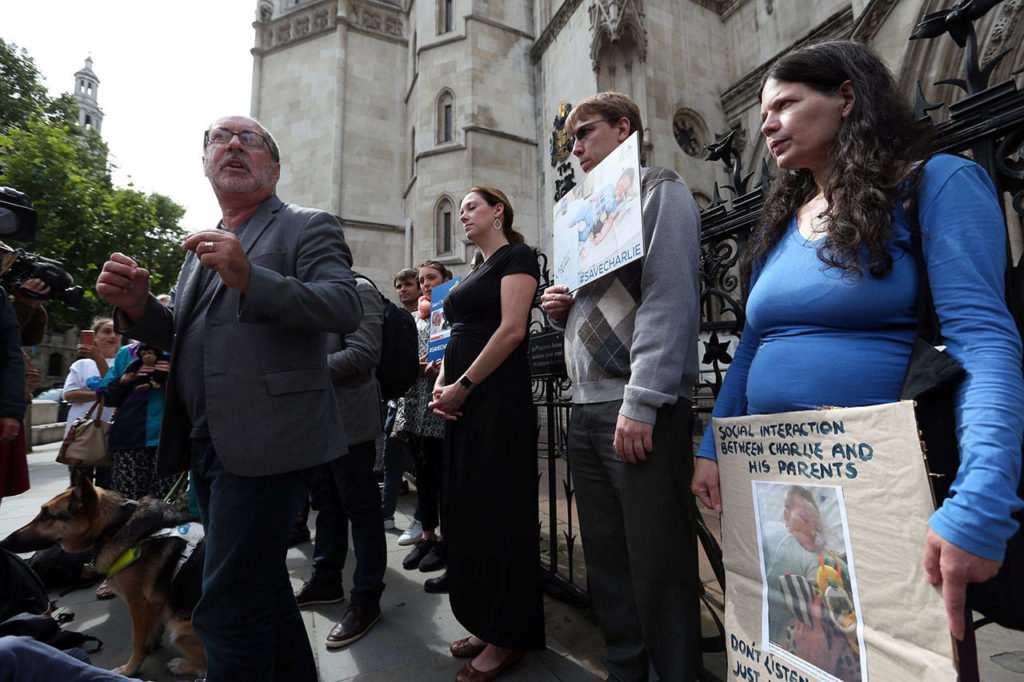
(585, 129)
(223, 136)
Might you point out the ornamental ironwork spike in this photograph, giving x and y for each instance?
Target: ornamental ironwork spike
(721, 149)
(921, 105)
(1019, 69)
(567, 488)
(716, 197)
(958, 82)
(958, 22)
(766, 175)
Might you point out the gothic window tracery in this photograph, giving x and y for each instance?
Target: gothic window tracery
(445, 116)
(619, 41)
(444, 221)
(690, 132)
(445, 16)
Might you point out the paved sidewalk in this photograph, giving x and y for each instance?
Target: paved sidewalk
(411, 640)
(409, 643)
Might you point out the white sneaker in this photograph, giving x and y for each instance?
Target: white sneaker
(389, 523)
(412, 534)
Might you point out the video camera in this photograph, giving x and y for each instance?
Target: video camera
(18, 221)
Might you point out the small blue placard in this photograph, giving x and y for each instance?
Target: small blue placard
(440, 328)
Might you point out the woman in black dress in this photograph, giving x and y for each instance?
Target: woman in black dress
(490, 461)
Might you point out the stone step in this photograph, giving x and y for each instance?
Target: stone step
(47, 433)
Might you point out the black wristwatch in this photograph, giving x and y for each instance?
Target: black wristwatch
(466, 382)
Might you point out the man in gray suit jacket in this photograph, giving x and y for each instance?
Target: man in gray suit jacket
(250, 406)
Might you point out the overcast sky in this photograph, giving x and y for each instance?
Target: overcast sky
(166, 71)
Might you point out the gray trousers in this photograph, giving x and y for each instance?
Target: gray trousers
(640, 548)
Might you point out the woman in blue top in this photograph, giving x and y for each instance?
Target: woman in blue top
(832, 310)
(136, 388)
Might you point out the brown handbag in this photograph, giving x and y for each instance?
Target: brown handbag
(86, 442)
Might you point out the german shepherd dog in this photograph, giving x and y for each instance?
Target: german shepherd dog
(160, 590)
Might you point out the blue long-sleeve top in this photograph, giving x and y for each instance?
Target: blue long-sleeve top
(814, 338)
(140, 413)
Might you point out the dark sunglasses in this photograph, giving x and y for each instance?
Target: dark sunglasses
(585, 129)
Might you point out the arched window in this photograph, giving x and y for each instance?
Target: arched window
(444, 227)
(445, 16)
(445, 116)
(55, 365)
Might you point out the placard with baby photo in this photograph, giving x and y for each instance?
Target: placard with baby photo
(440, 328)
(823, 534)
(598, 224)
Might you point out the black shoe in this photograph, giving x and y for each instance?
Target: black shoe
(438, 585)
(436, 558)
(412, 560)
(298, 535)
(356, 622)
(316, 592)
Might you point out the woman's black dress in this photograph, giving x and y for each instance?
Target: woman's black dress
(490, 479)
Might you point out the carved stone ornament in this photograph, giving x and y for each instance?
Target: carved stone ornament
(297, 24)
(561, 139)
(378, 19)
(610, 21)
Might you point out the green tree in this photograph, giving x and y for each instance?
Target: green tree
(22, 96)
(83, 217)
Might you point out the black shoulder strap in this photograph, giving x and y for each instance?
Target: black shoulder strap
(928, 327)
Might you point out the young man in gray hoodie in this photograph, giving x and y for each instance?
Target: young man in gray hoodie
(631, 352)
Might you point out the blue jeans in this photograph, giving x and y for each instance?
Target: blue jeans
(345, 491)
(23, 659)
(247, 617)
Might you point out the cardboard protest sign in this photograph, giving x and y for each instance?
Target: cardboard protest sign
(823, 532)
(440, 328)
(598, 226)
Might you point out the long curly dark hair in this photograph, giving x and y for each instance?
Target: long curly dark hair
(873, 160)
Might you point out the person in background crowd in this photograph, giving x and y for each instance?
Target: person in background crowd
(344, 490)
(834, 290)
(134, 436)
(84, 378)
(490, 447)
(247, 327)
(14, 474)
(423, 432)
(31, 322)
(407, 285)
(631, 352)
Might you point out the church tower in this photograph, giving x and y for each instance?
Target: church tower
(86, 85)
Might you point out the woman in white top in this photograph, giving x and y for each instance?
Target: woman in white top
(85, 374)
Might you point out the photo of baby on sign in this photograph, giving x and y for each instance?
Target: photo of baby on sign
(598, 226)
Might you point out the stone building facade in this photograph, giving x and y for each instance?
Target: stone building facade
(389, 110)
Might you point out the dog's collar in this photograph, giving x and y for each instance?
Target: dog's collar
(191, 533)
(128, 508)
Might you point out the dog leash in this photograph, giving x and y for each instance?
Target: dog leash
(174, 488)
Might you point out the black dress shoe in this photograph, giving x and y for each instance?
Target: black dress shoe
(438, 585)
(356, 622)
(436, 559)
(419, 553)
(318, 592)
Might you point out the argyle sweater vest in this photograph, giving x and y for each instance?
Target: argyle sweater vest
(599, 332)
